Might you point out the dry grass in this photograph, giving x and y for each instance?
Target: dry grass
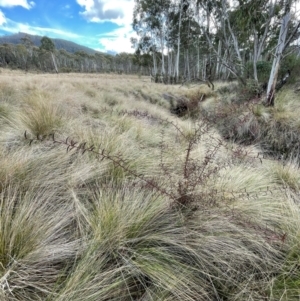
(159, 209)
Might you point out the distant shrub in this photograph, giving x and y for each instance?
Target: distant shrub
(65, 70)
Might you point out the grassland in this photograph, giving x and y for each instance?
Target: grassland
(105, 195)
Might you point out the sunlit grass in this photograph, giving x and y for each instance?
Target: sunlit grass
(35, 243)
(40, 116)
(152, 207)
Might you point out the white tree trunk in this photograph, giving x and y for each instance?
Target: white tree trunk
(154, 64)
(198, 62)
(276, 61)
(188, 65)
(54, 62)
(218, 66)
(258, 45)
(255, 57)
(162, 54)
(178, 42)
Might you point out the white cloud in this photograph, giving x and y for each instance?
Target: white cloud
(117, 11)
(13, 27)
(11, 3)
(2, 18)
(117, 40)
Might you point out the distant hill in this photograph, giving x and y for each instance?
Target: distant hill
(59, 43)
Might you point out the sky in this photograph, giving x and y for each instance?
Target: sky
(103, 25)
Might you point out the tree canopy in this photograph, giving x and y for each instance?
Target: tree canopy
(47, 44)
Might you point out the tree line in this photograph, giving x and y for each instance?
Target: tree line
(46, 58)
(185, 40)
(216, 39)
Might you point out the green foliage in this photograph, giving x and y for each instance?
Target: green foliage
(290, 63)
(65, 70)
(263, 70)
(47, 44)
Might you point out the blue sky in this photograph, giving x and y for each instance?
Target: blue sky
(104, 25)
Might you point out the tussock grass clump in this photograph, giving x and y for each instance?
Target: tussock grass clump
(136, 251)
(40, 116)
(236, 122)
(286, 173)
(276, 129)
(125, 201)
(285, 285)
(35, 244)
(7, 93)
(110, 100)
(90, 93)
(200, 93)
(188, 104)
(139, 248)
(225, 89)
(5, 113)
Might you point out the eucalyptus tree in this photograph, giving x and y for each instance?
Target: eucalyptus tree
(26, 51)
(22, 56)
(283, 41)
(8, 55)
(183, 35)
(150, 21)
(180, 6)
(261, 27)
(215, 18)
(47, 46)
(238, 32)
